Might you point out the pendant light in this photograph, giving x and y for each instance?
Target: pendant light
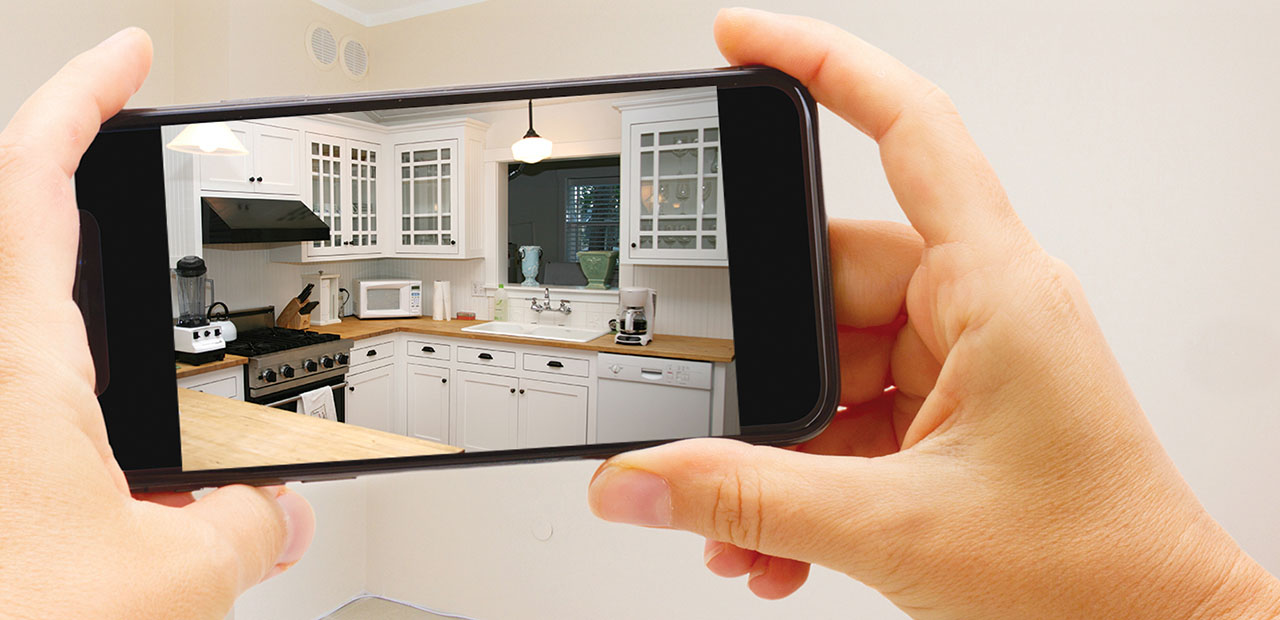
(207, 139)
(532, 148)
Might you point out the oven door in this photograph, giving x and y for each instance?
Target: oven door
(289, 399)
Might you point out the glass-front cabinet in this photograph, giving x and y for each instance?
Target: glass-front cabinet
(343, 192)
(677, 215)
(427, 217)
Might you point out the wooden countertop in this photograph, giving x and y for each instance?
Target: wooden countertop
(229, 361)
(220, 432)
(673, 347)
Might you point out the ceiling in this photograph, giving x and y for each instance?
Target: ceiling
(378, 12)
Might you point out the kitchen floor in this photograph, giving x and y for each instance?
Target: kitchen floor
(374, 608)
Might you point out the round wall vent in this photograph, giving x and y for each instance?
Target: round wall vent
(355, 58)
(322, 47)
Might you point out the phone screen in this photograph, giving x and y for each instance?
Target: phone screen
(380, 282)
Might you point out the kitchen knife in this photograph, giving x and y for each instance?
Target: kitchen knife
(308, 307)
(306, 292)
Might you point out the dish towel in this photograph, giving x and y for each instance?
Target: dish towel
(318, 403)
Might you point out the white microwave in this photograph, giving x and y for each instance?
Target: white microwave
(385, 299)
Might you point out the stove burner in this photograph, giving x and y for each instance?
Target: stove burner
(273, 339)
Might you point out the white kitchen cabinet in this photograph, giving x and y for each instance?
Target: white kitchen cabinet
(438, 195)
(672, 207)
(551, 414)
(487, 411)
(371, 398)
(428, 402)
(272, 166)
(227, 383)
(342, 190)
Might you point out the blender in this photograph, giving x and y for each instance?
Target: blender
(195, 341)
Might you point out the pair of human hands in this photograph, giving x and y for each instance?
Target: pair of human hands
(992, 463)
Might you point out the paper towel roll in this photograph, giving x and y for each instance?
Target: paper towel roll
(437, 300)
(448, 300)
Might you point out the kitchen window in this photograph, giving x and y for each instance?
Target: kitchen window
(590, 216)
(563, 206)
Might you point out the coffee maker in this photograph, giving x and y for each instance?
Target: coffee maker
(195, 341)
(636, 315)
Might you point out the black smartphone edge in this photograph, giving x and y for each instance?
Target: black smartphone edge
(803, 429)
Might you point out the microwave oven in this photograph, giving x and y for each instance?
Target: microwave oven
(385, 299)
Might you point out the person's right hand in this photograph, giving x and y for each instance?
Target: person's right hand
(993, 462)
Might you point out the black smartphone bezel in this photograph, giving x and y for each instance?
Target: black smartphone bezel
(822, 329)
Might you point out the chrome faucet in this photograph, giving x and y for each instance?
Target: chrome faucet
(545, 305)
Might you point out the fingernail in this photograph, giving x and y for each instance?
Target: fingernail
(712, 551)
(300, 525)
(634, 496)
(758, 569)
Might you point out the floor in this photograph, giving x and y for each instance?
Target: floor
(374, 608)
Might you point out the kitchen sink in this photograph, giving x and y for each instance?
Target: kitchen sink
(537, 332)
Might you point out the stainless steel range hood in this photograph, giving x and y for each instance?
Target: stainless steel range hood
(253, 220)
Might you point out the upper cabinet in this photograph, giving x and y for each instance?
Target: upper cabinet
(343, 190)
(273, 165)
(438, 195)
(672, 195)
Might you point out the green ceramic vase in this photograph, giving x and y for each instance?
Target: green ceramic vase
(598, 266)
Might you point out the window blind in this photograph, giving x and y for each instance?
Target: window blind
(590, 217)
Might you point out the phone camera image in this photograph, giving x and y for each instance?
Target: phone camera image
(386, 282)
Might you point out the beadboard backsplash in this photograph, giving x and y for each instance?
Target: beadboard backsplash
(692, 301)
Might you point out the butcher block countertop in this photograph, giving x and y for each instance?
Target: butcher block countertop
(674, 347)
(229, 361)
(220, 432)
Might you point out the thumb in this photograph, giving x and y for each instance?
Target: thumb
(828, 510)
(258, 532)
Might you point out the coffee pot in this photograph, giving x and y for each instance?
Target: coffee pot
(637, 308)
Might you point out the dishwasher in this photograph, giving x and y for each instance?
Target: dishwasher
(646, 398)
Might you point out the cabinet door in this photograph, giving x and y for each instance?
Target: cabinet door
(361, 172)
(428, 399)
(275, 161)
(487, 411)
(552, 414)
(428, 197)
(371, 398)
(324, 194)
(676, 205)
(230, 172)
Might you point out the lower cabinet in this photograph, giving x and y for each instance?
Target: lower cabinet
(551, 414)
(428, 402)
(504, 413)
(371, 398)
(487, 411)
(227, 383)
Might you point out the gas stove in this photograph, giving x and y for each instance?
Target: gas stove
(285, 360)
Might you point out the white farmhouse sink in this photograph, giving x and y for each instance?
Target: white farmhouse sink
(537, 332)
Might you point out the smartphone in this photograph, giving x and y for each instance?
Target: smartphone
(315, 288)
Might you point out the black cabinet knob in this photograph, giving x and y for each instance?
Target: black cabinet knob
(522, 390)
(633, 245)
(453, 243)
(485, 356)
(555, 364)
(513, 390)
(250, 179)
(259, 179)
(371, 353)
(428, 349)
(444, 381)
(351, 388)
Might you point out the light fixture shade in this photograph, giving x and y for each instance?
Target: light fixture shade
(207, 139)
(531, 150)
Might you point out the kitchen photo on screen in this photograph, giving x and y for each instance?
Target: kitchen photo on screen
(420, 281)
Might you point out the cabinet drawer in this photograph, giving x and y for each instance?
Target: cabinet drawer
(487, 357)
(428, 349)
(556, 365)
(380, 351)
(228, 387)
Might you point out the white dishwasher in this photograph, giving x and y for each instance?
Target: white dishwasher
(645, 398)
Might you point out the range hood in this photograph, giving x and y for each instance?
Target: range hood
(254, 220)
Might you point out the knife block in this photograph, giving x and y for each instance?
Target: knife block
(290, 318)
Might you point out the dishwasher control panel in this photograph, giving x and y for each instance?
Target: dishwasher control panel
(680, 373)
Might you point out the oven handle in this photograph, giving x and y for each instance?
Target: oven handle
(299, 397)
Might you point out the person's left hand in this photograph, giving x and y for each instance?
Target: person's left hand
(74, 543)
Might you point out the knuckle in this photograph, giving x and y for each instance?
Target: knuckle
(738, 511)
